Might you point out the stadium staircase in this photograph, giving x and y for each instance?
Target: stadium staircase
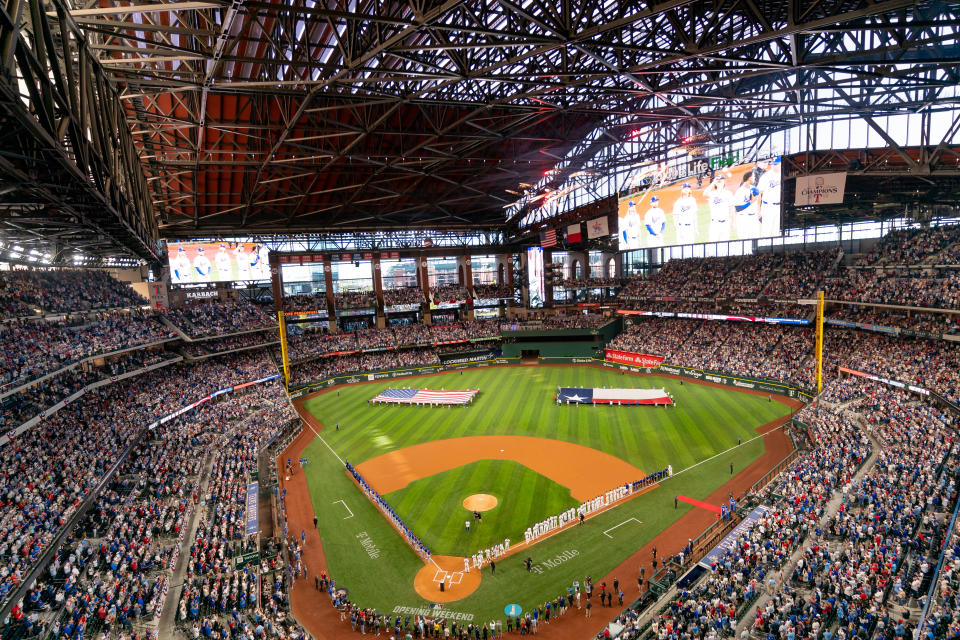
(746, 619)
(169, 324)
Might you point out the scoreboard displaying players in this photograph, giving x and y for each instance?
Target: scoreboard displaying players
(741, 202)
(193, 262)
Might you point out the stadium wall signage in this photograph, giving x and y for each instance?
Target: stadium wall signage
(478, 357)
(629, 357)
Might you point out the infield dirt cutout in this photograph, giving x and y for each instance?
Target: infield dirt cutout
(480, 502)
(585, 471)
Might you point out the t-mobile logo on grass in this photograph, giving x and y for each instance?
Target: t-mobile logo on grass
(368, 545)
(556, 561)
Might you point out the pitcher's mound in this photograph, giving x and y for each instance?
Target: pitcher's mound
(480, 502)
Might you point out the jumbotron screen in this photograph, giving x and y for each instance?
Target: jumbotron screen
(740, 203)
(193, 262)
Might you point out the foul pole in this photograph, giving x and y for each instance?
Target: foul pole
(819, 347)
(282, 323)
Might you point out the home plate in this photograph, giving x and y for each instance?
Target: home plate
(620, 525)
(450, 578)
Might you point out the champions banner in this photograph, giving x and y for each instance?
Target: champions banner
(636, 359)
(820, 188)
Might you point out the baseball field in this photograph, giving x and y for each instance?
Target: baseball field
(521, 458)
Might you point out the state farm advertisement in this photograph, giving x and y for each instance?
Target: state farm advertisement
(636, 359)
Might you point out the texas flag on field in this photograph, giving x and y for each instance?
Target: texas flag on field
(573, 234)
(582, 395)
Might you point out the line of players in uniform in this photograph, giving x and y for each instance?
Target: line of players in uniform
(252, 265)
(753, 210)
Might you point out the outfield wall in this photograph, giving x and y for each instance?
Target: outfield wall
(753, 384)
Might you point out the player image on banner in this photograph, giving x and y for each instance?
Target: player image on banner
(739, 202)
(180, 267)
(203, 267)
(746, 207)
(631, 229)
(201, 262)
(224, 263)
(243, 262)
(685, 215)
(720, 201)
(655, 221)
(768, 184)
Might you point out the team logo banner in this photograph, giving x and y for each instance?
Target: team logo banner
(597, 228)
(820, 188)
(637, 359)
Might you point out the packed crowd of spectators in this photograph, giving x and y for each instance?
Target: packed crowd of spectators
(915, 321)
(449, 293)
(25, 293)
(34, 348)
(912, 247)
(219, 317)
(491, 291)
(355, 299)
(588, 283)
(306, 301)
(879, 547)
(216, 592)
(51, 468)
(655, 336)
(376, 339)
(799, 274)
(752, 562)
(405, 295)
(33, 400)
(306, 345)
(573, 321)
(230, 343)
(114, 571)
(940, 289)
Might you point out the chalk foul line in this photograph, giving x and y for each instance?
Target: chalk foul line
(620, 525)
(310, 426)
(345, 507)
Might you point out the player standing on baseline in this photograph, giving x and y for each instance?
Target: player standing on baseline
(655, 220)
(719, 200)
(685, 215)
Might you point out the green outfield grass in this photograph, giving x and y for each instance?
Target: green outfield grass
(707, 421)
(435, 503)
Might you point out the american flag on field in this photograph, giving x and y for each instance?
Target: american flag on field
(425, 396)
(548, 238)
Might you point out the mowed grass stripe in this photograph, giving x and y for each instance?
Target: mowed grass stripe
(520, 401)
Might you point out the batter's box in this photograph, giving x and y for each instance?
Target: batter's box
(451, 579)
